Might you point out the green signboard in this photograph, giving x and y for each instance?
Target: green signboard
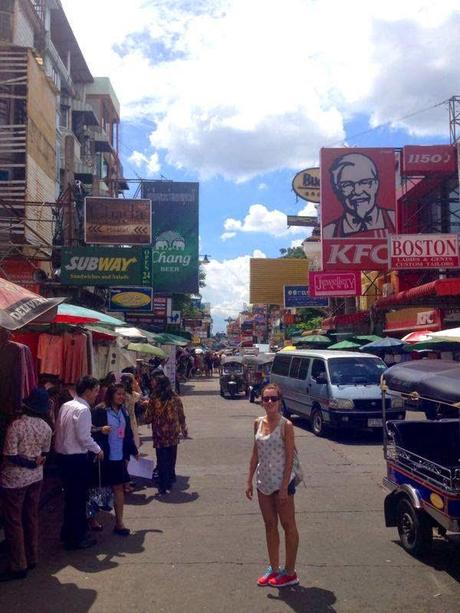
(107, 266)
(175, 235)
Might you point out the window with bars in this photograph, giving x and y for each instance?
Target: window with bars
(6, 20)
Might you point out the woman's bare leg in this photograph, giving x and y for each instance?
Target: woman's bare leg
(268, 508)
(118, 504)
(286, 513)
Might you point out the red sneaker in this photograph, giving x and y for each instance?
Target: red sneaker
(282, 579)
(266, 577)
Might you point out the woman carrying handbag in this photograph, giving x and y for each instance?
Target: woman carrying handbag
(272, 461)
(118, 446)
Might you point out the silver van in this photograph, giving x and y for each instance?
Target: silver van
(337, 389)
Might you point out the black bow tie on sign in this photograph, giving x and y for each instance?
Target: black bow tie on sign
(362, 222)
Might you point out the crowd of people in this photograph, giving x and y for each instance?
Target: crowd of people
(91, 433)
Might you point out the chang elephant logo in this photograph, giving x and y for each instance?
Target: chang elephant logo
(169, 248)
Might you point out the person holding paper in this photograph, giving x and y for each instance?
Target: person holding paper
(118, 446)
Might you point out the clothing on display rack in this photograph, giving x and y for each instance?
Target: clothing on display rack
(51, 354)
(75, 357)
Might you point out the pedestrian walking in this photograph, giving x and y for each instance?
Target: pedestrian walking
(272, 462)
(73, 443)
(27, 443)
(166, 414)
(116, 439)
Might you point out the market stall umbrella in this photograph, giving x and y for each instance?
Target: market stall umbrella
(367, 338)
(317, 339)
(434, 344)
(147, 349)
(417, 337)
(131, 333)
(452, 335)
(289, 348)
(345, 346)
(387, 344)
(73, 314)
(20, 306)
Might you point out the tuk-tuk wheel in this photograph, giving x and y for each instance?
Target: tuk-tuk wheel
(317, 423)
(414, 528)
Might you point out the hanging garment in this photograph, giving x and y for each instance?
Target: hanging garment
(50, 352)
(75, 357)
(11, 377)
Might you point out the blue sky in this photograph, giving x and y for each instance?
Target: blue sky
(241, 95)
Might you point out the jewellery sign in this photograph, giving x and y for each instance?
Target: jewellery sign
(117, 221)
(107, 266)
(424, 251)
(175, 235)
(358, 202)
(335, 284)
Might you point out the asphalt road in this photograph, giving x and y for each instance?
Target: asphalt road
(202, 548)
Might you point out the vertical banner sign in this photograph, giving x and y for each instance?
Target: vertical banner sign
(175, 235)
(358, 208)
(170, 364)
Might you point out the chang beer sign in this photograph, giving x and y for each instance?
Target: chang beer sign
(107, 266)
(175, 235)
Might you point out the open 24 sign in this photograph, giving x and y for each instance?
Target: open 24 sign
(425, 160)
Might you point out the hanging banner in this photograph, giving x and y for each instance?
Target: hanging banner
(146, 321)
(106, 266)
(175, 235)
(131, 299)
(117, 221)
(297, 296)
(335, 285)
(358, 208)
(428, 159)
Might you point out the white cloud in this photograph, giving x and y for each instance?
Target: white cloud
(309, 210)
(227, 235)
(151, 164)
(227, 101)
(261, 219)
(262, 186)
(297, 243)
(227, 284)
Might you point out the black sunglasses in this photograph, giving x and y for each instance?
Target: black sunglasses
(272, 398)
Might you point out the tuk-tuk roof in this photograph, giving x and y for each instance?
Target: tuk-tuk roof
(232, 358)
(265, 358)
(436, 380)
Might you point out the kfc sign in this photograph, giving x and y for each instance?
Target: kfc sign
(335, 285)
(358, 202)
(423, 251)
(413, 318)
(425, 160)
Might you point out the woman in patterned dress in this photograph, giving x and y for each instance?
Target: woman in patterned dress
(166, 414)
(271, 461)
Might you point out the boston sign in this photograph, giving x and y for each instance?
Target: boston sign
(423, 251)
(334, 285)
(107, 266)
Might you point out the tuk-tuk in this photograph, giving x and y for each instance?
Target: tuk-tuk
(257, 373)
(423, 457)
(231, 379)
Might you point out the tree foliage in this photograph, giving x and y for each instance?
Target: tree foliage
(296, 253)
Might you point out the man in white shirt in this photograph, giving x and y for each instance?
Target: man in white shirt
(73, 442)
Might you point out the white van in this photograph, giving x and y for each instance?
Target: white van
(337, 389)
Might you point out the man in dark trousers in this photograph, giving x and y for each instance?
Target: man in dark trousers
(73, 443)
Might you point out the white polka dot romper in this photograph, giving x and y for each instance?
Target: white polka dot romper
(272, 459)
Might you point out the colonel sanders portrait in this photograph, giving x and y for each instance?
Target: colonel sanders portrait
(355, 181)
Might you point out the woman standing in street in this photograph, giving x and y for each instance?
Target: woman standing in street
(272, 461)
(118, 445)
(166, 414)
(27, 443)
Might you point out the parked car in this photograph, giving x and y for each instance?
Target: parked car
(334, 389)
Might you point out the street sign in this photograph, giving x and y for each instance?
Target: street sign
(297, 296)
(105, 266)
(117, 221)
(302, 220)
(130, 299)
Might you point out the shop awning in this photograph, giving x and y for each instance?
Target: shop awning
(73, 314)
(440, 287)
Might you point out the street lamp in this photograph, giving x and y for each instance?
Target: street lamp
(205, 259)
